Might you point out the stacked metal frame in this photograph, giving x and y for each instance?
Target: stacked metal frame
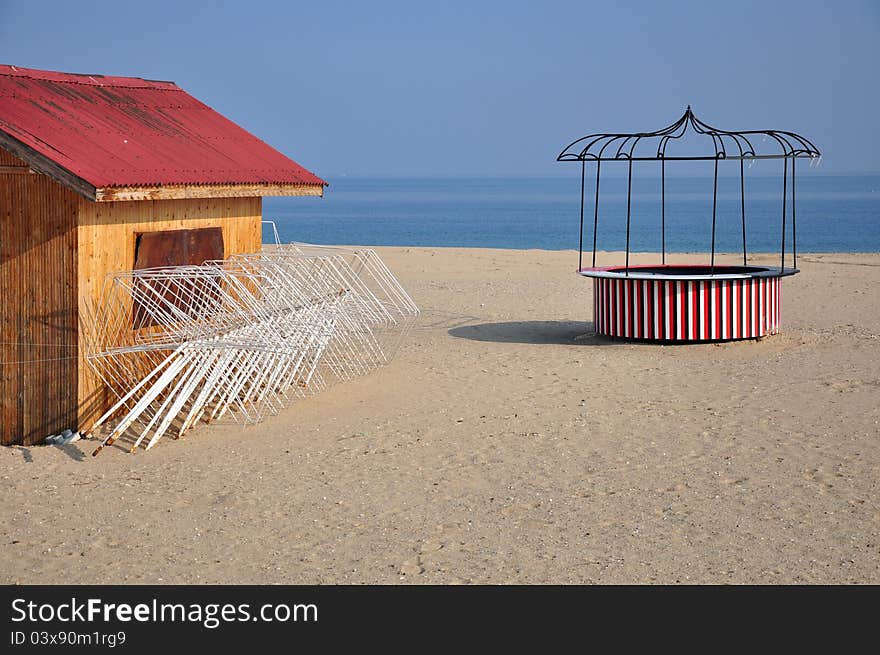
(241, 337)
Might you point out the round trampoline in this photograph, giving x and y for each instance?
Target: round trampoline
(685, 302)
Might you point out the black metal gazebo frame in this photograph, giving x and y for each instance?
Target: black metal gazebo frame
(733, 145)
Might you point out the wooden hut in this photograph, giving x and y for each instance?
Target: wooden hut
(100, 174)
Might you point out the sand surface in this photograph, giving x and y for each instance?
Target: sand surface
(504, 444)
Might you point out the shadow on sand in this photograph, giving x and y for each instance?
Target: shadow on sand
(70, 450)
(534, 332)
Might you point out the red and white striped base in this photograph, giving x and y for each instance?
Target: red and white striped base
(686, 310)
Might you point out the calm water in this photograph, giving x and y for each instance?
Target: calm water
(835, 213)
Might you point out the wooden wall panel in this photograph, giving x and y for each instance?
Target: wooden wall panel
(8, 159)
(38, 306)
(107, 235)
(55, 250)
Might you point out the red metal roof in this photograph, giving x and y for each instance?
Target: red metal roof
(125, 131)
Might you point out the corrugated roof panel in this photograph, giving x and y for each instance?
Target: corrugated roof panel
(120, 131)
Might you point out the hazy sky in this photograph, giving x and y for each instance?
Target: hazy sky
(486, 88)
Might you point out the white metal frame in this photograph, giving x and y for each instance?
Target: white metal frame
(242, 337)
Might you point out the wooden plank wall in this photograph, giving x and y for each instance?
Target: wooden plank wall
(38, 306)
(107, 234)
(55, 250)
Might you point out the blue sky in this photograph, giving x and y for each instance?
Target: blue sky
(480, 88)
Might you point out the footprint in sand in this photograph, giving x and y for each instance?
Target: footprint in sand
(417, 565)
(412, 567)
(820, 477)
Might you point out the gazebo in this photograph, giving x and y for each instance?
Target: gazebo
(689, 303)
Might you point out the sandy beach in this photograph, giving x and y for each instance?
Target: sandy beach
(504, 444)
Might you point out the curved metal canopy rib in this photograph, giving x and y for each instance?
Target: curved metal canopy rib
(726, 144)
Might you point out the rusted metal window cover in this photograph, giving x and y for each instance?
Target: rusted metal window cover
(174, 248)
(178, 247)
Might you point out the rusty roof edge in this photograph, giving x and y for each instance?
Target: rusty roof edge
(150, 185)
(43, 164)
(88, 79)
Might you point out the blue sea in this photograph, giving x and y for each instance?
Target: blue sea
(835, 213)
